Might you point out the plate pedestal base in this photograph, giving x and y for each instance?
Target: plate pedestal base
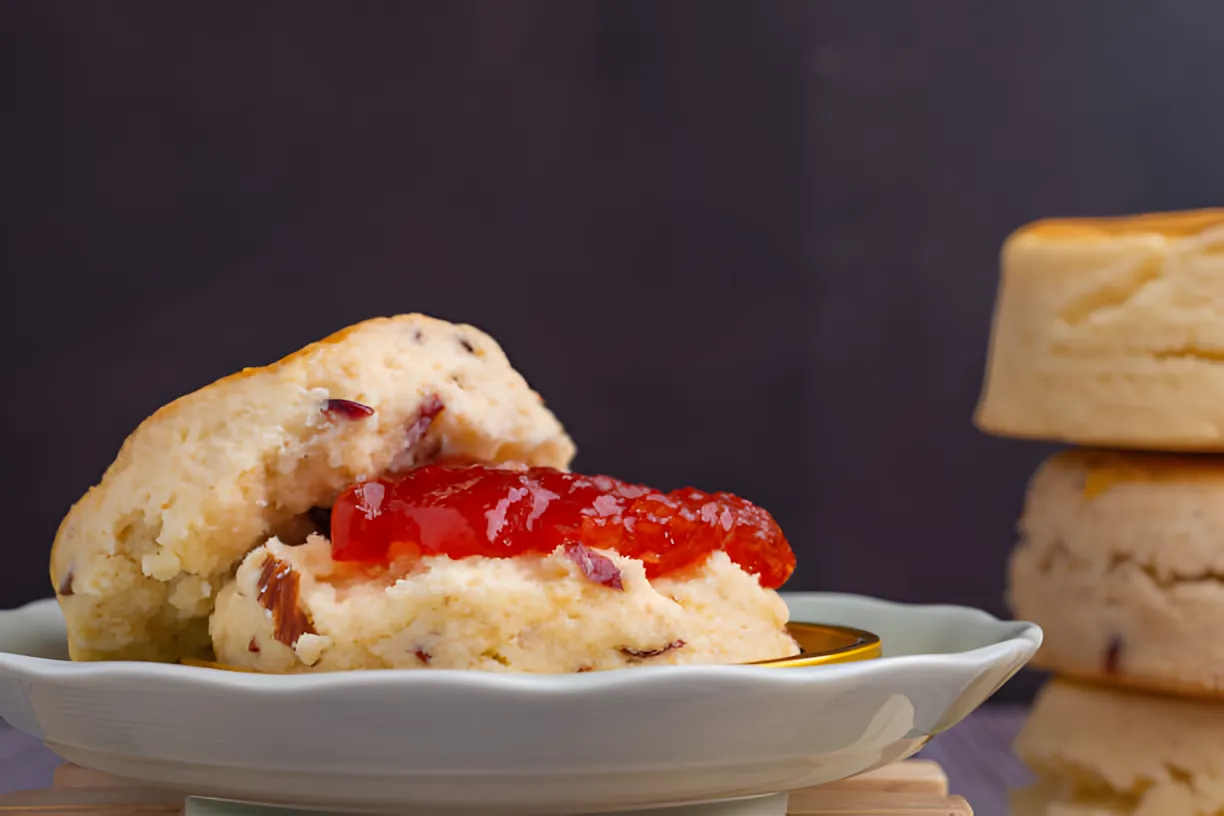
(775, 805)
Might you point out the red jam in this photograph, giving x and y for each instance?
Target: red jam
(466, 511)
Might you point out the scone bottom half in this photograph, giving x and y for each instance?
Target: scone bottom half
(242, 523)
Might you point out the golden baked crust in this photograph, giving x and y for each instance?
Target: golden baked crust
(1161, 224)
(1121, 562)
(137, 562)
(1110, 333)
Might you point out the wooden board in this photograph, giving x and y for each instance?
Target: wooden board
(912, 788)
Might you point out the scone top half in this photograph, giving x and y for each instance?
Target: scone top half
(138, 561)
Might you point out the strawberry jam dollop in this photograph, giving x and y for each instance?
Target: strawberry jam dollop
(499, 513)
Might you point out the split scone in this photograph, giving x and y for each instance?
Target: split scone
(1101, 752)
(396, 496)
(1121, 562)
(1109, 332)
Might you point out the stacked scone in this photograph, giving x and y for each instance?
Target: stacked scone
(1109, 337)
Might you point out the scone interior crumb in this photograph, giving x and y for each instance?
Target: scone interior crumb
(536, 614)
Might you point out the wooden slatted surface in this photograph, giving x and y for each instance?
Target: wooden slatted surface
(913, 788)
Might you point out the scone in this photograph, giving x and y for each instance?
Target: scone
(138, 561)
(1110, 333)
(1121, 561)
(1100, 752)
(397, 497)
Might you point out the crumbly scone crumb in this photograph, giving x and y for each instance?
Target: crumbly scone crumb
(540, 614)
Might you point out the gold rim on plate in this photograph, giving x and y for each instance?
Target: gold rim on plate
(820, 644)
(823, 644)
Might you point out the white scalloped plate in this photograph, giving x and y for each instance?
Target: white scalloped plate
(451, 742)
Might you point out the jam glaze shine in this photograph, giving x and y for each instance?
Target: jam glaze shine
(464, 511)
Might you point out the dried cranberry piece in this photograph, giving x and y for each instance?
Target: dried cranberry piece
(347, 409)
(431, 406)
(253, 646)
(423, 656)
(1113, 655)
(641, 655)
(595, 567)
(279, 589)
(65, 587)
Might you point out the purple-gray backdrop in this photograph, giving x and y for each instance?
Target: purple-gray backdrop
(746, 246)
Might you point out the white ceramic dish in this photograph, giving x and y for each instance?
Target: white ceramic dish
(447, 742)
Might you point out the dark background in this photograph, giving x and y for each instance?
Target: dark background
(748, 246)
